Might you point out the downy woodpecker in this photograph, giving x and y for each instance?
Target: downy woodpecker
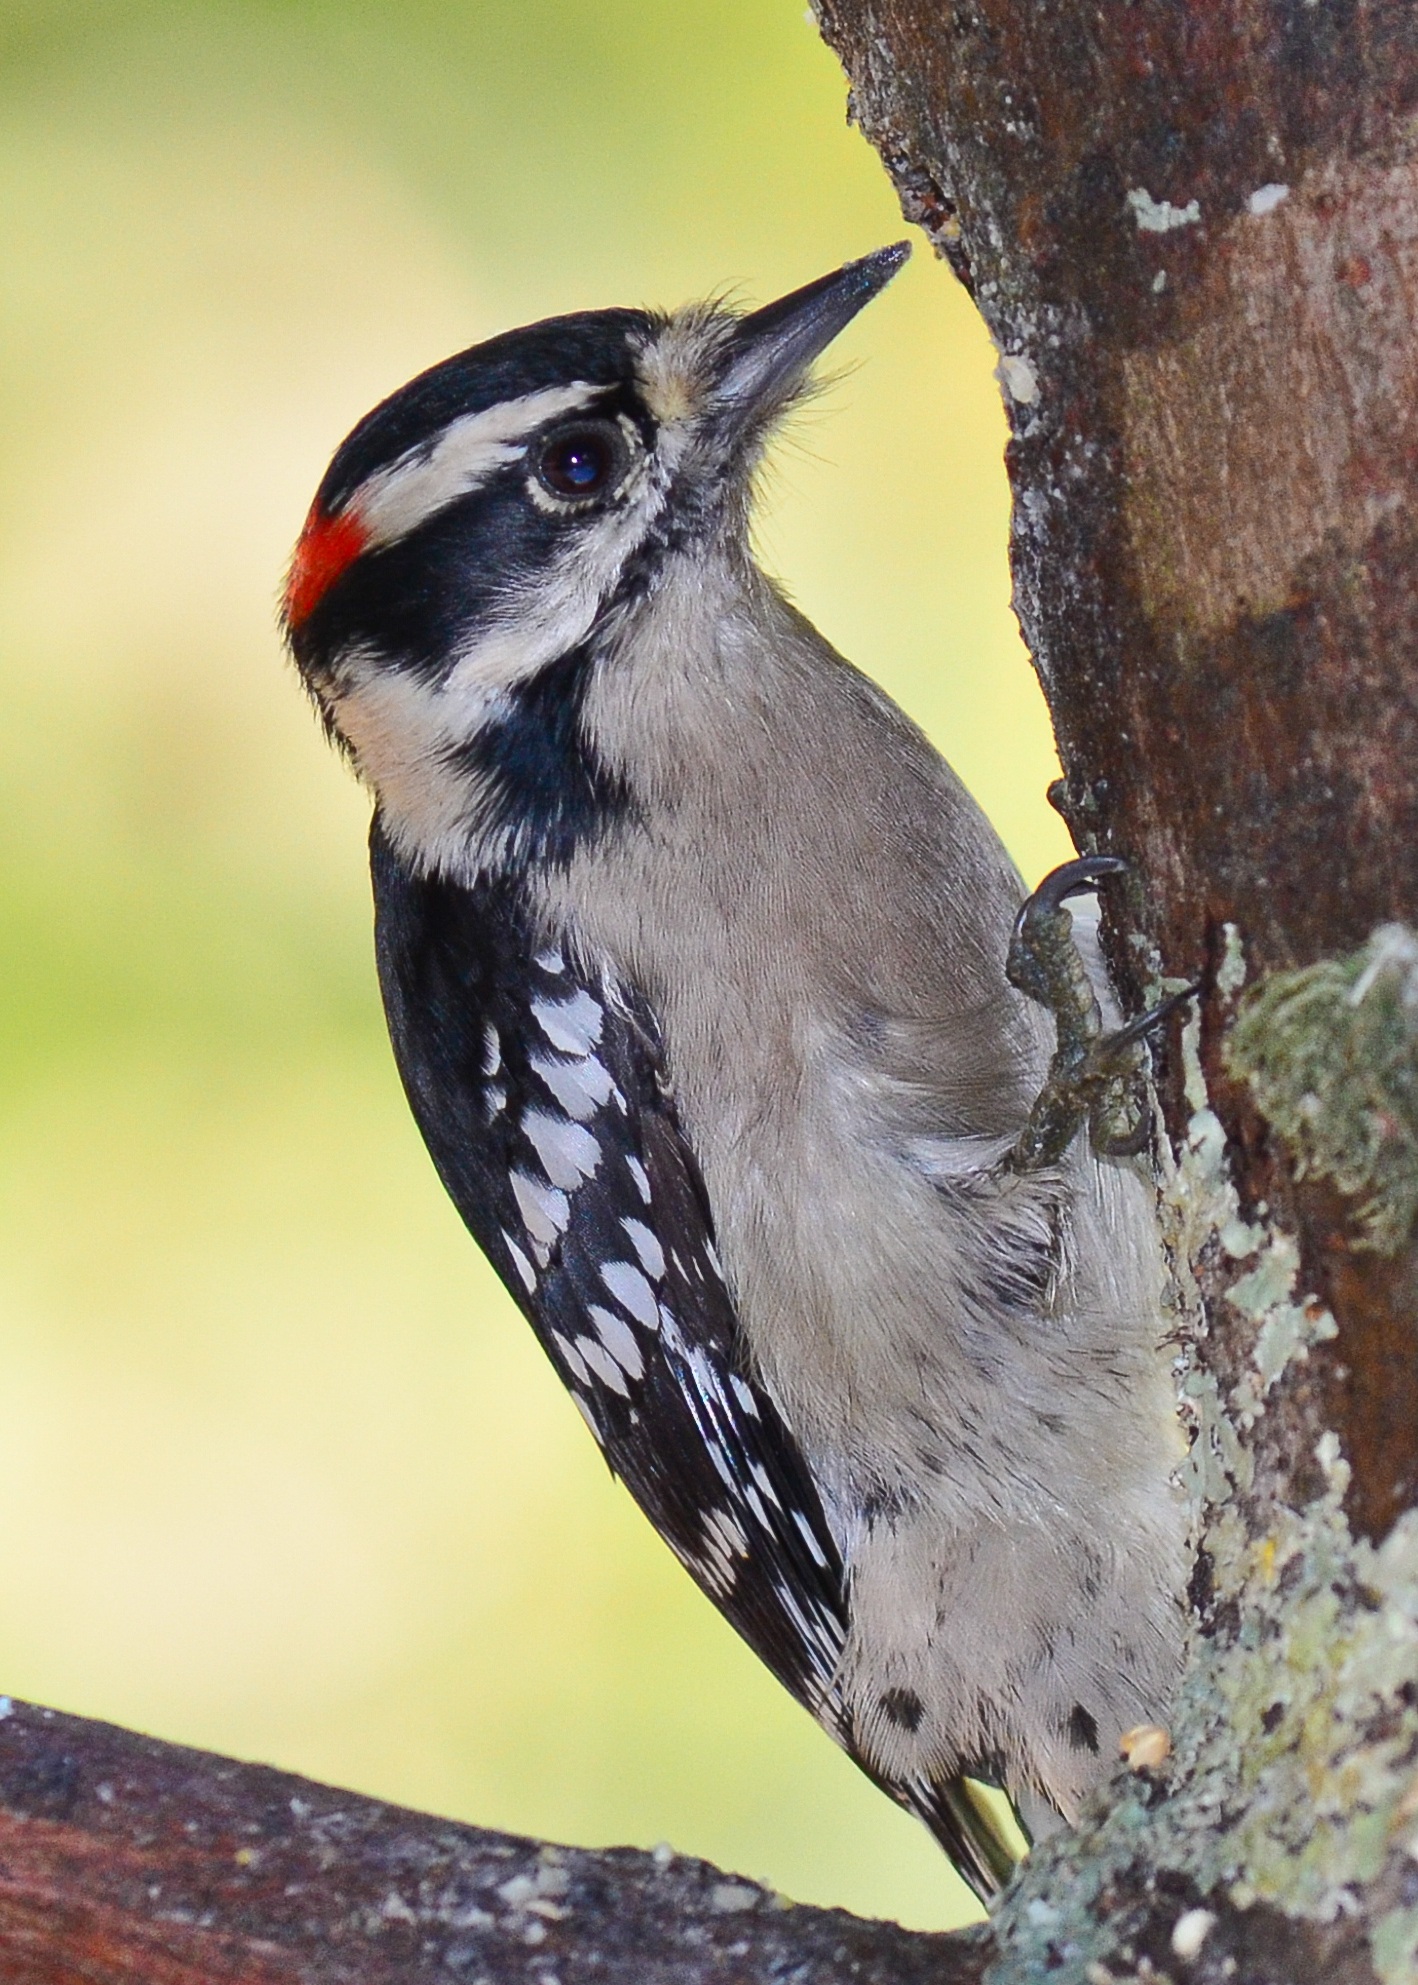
(693, 955)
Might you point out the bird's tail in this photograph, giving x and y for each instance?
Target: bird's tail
(976, 1826)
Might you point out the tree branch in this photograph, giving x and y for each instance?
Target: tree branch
(129, 1862)
(1193, 233)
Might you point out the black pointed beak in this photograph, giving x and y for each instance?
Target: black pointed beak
(771, 350)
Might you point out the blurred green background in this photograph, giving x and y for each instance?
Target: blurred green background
(281, 1472)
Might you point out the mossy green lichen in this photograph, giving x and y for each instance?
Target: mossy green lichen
(1331, 1055)
(1294, 1753)
(1395, 1947)
(1293, 1777)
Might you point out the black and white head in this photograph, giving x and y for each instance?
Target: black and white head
(482, 539)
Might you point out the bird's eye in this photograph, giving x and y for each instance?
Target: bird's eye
(584, 461)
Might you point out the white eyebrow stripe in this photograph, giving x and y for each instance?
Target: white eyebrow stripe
(393, 501)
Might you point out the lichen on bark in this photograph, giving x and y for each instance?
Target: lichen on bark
(1331, 1056)
(1291, 1789)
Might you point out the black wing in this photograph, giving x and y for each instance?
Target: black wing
(543, 1101)
(542, 1095)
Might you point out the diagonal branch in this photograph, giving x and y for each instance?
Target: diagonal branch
(124, 1861)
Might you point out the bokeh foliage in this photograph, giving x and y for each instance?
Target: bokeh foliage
(281, 1473)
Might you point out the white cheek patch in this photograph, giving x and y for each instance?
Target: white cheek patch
(405, 731)
(397, 499)
(390, 721)
(545, 617)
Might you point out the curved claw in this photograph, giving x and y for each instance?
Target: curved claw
(1042, 960)
(1145, 1023)
(1093, 1076)
(1073, 878)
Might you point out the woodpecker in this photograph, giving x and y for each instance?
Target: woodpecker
(693, 955)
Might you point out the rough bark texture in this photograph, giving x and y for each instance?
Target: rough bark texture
(128, 1862)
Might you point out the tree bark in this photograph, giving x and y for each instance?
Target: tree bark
(129, 1862)
(1192, 228)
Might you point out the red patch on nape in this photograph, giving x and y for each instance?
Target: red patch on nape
(328, 546)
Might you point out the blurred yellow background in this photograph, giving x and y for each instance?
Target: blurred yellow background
(281, 1472)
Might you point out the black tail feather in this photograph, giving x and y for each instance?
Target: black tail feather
(960, 1815)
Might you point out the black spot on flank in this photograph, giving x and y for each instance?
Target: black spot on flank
(904, 1708)
(1082, 1729)
(885, 1504)
(987, 1768)
(1018, 1271)
(538, 774)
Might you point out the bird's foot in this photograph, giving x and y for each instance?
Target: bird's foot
(1096, 1076)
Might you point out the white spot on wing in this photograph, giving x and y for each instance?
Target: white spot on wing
(573, 1025)
(730, 1532)
(651, 1254)
(744, 1395)
(575, 1363)
(568, 1153)
(640, 1176)
(581, 1087)
(492, 1050)
(706, 1376)
(717, 1575)
(632, 1291)
(544, 1210)
(603, 1365)
(520, 1263)
(724, 1541)
(550, 960)
(819, 1634)
(619, 1339)
(809, 1539)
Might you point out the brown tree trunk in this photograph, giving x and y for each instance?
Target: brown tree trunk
(1192, 227)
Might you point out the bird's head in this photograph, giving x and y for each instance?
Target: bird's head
(497, 517)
